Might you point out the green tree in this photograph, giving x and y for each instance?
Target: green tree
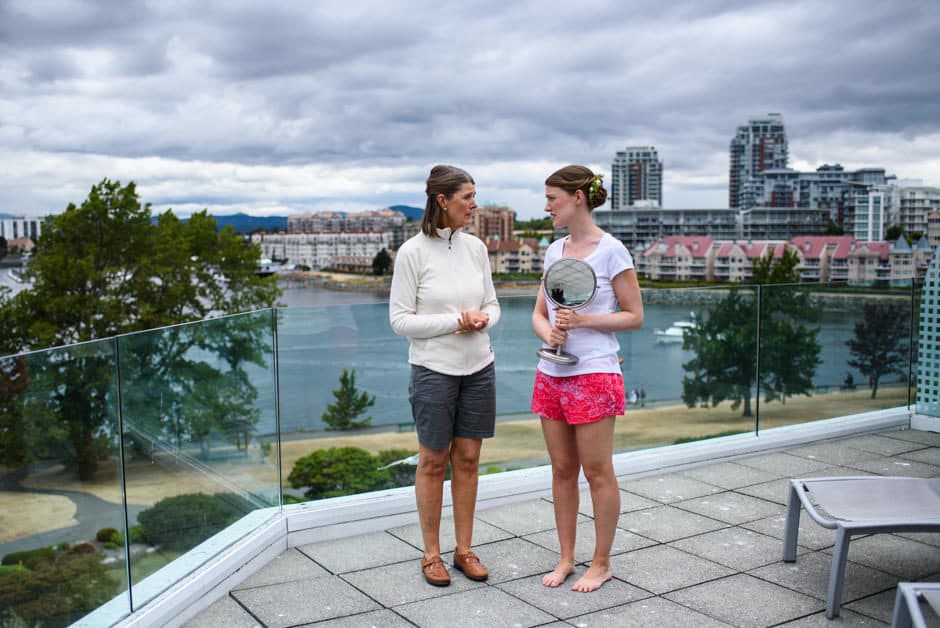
(894, 232)
(834, 228)
(349, 404)
(725, 342)
(3, 247)
(535, 224)
(381, 263)
(881, 344)
(402, 474)
(105, 268)
(338, 471)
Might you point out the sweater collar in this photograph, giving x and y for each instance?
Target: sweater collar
(446, 233)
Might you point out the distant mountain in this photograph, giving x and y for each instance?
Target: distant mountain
(6, 216)
(411, 213)
(243, 223)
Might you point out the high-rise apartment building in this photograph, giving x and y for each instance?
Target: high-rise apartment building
(636, 175)
(759, 145)
(493, 220)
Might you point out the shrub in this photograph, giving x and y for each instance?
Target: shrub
(400, 474)
(137, 534)
(338, 471)
(105, 534)
(31, 559)
(184, 521)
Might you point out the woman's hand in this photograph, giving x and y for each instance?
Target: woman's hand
(557, 337)
(472, 321)
(567, 319)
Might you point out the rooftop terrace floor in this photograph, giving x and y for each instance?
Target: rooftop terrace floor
(697, 547)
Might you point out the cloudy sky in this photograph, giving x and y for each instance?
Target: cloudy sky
(280, 107)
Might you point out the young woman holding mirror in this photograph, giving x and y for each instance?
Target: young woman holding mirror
(578, 402)
(442, 299)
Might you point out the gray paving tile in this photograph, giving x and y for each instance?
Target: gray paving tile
(732, 507)
(810, 575)
(482, 533)
(304, 601)
(662, 568)
(879, 606)
(479, 608)
(729, 475)
(514, 558)
(562, 602)
(930, 538)
(879, 444)
(811, 534)
(288, 566)
(628, 502)
(667, 523)
(392, 585)
(834, 453)
(223, 612)
(375, 619)
(743, 600)
(897, 466)
(931, 455)
(524, 518)
(784, 464)
(584, 541)
(846, 618)
(921, 437)
(361, 552)
(737, 548)
(907, 559)
(669, 488)
(654, 611)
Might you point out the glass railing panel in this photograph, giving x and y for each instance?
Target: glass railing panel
(201, 441)
(830, 350)
(62, 532)
(344, 402)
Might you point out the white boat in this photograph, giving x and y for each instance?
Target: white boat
(674, 333)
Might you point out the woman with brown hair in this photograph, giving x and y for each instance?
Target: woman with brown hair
(578, 403)
(442, 298)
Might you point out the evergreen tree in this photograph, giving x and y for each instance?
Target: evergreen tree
(381, 263)
(349, 404)
(881, 344)
(106, 268)
(725, 343)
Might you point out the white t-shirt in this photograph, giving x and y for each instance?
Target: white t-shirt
(596, 350)
(435, 279)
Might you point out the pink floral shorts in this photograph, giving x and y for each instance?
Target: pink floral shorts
(579, 398)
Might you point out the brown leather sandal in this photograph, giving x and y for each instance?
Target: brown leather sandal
(471, 566)
(435, 572)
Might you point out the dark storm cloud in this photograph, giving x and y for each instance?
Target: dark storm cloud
(352, 85)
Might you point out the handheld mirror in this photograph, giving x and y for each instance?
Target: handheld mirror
(569, 283)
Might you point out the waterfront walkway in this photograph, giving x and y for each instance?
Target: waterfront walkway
(698, 547)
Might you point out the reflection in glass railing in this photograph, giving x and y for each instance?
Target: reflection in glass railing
(200, 434)
(62, 532)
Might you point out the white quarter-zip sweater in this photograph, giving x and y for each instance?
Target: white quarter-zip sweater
(435, 279)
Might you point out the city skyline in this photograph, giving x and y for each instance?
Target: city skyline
(345, 106)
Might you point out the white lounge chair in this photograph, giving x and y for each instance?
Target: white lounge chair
(860, 505)
(907, 607)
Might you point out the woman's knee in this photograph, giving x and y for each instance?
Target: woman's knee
(433, 463)
(600, 473)
(566, 471)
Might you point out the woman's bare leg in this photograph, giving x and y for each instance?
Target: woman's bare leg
(560, 441)
(429, 489)
(595, 444)
(464, 476)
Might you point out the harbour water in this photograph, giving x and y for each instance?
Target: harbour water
(320, 338)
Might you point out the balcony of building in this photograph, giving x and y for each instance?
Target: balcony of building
(209, 420)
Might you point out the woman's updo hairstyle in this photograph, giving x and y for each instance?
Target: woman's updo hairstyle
(573, 178)
(444, 180)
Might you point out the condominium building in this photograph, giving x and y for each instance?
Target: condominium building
(321, 250)
(916, 203)
(870, 213)
(636, 227)
(759, 145)
(636, 175)
(517, 255)
(336, 222)
(20, 227)
(493, 221)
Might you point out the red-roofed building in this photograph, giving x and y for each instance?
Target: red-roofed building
(823, 258)
(734, 260)
(518, 255)
(868, 263)
(682, 258)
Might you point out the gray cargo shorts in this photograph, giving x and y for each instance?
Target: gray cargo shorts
(445, 406)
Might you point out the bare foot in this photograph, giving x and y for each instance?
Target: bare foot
(559, 575)
(593, 578)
